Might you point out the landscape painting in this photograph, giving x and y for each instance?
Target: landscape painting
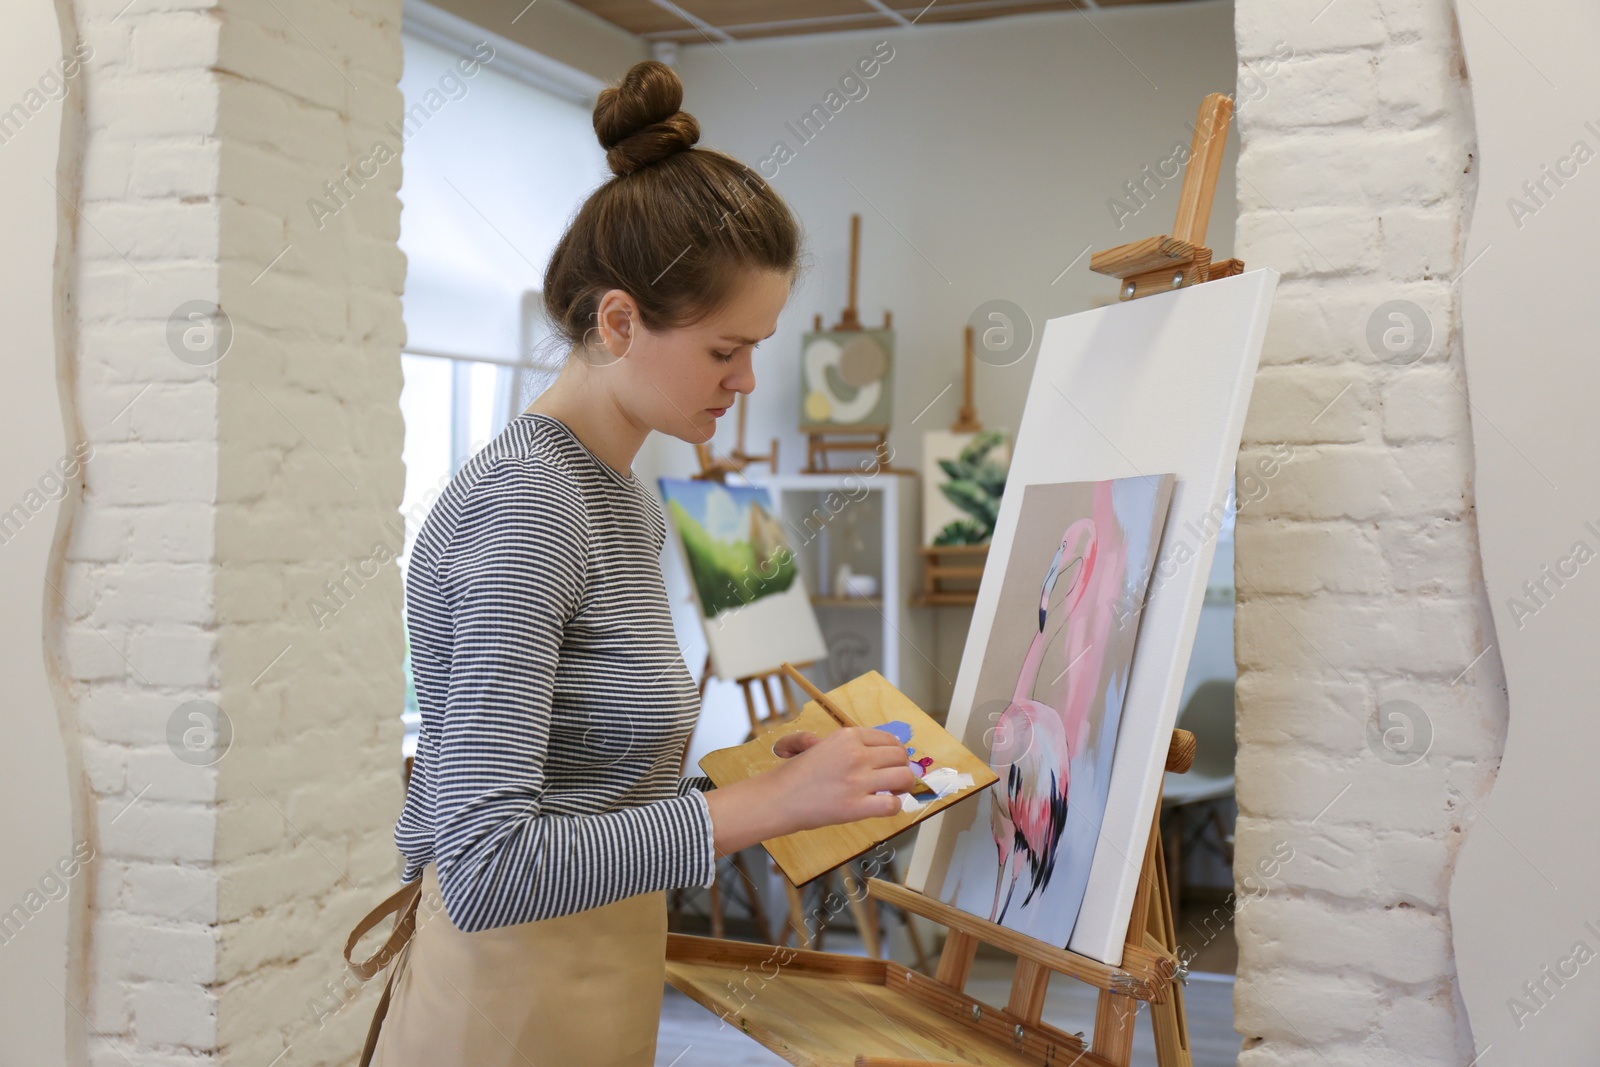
(752, 599)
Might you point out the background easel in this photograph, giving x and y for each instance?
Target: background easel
(717, 468)
(950, 573)
(865, 438)
(777, 715)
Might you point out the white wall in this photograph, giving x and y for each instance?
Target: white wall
(981, 159)
(1524, 897)
(41, 964)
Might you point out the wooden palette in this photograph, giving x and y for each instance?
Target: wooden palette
(869, 700)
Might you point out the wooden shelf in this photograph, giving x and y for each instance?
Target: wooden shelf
(879, 631)
(946, 564)
(848, 602)
(944, 600)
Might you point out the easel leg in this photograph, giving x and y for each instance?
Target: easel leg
(1150, 926)
(797, 915)
(715, 894)
(748, 684)
(862, 910)
(1169, 1018)
(773, 712)
(1115, 1014)
(758, 907)
(955, 962)
(1172, 844)
(1029, 984)
(1113, 1028)
(823, 883)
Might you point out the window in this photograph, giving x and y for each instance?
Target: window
(493, 170)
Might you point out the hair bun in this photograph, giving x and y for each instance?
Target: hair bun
(639, 121)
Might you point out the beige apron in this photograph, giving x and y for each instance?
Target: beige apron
(583, 988)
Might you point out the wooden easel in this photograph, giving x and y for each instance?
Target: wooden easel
(717, 468)
(831, 1010)
(962, 565)
(863, 438)
(1161, 264)
(827, 1010)
(774, 718)
(1149, 954)
(967, 420)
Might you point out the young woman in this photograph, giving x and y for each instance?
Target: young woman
(545, 815)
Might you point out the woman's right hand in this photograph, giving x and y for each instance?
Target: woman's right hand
(838, 779)
(835, 780)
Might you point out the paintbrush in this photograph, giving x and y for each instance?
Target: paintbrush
(839, 715)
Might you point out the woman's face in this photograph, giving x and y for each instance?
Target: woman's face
(681, 381)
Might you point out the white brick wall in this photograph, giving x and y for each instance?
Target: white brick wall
(1358, 573)
(219, 499)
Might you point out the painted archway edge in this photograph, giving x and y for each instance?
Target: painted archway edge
(1525, 896)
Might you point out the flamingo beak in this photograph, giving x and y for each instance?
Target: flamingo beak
(1049, 584)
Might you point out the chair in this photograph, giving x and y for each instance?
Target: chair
(1209, 715)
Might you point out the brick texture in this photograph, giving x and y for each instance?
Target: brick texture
(222, 497)
(1370, 718)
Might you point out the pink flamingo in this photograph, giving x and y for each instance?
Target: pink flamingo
(1034, 742)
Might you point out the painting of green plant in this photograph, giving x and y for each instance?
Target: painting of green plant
(973, 482)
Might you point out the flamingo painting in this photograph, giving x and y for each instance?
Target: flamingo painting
(1056, 653)
(1033, 742)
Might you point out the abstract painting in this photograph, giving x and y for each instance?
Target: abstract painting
(1048, 702)
(846, 379)
(746, 580)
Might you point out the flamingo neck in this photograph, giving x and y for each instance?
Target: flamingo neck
(1029, 671)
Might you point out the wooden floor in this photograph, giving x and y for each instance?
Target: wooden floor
(691, 1036)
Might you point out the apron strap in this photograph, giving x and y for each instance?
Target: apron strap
(376, 1026)
(406, 898)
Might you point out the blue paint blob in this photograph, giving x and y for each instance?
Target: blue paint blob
(900, 730)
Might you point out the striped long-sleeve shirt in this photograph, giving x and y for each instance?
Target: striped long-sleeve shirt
(554, 697)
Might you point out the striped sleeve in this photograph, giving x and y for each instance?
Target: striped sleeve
(513, 574)
(695, 781)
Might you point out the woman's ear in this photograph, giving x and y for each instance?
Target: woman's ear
(618, 322)
(616, 327)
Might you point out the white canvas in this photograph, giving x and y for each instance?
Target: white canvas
(1155, 385)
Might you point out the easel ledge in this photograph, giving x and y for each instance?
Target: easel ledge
(821, 1009)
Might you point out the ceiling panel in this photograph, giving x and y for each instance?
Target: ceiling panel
(700, 21)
